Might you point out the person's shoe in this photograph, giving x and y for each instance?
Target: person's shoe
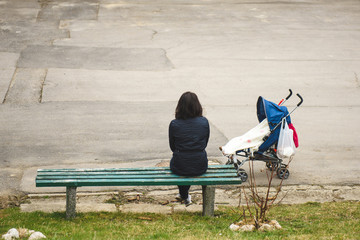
(178, 198)
(188, 201)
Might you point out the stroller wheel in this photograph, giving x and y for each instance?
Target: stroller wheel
(243, 175)
(283, 173)
(272, 166)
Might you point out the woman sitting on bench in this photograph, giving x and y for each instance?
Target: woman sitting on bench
(188, 137)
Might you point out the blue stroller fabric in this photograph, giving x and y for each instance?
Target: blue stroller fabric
(274, 114)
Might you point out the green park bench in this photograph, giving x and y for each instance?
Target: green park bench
(145, 176)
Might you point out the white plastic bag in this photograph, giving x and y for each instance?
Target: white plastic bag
(286, 147)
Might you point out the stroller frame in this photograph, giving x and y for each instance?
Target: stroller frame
(273, 163)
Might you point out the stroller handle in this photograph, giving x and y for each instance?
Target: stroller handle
(289, 94)
(298, 105)
(301, 100)
(284, 100)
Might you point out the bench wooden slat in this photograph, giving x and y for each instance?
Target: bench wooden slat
(71, 173)
(138, 182)
(128, 176)
(210, 167)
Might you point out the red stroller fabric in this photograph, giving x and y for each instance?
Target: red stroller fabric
(295, 136)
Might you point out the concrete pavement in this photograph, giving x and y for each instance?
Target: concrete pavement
(95, 82)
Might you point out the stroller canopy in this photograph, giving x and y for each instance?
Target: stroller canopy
(274, 114)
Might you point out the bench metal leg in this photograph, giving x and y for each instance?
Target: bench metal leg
(208, 200)
(70, 202)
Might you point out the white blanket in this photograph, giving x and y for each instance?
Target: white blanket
(252, 139)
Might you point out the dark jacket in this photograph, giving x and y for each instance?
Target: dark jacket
(188, 140)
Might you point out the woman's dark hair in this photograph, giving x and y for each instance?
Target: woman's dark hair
(188, 106)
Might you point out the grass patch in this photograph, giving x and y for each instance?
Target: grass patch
(305, 221)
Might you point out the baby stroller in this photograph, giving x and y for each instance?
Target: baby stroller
(260, 143)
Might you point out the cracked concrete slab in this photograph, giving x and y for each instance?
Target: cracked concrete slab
(16, 36)
(250, 45)
(56, 11)
(7, 68)
(232, 12)
(240, 82)
(261, 12)
(19, 4)
(285, 46)
(10, 180)
(91, 34)
(8, 60)
(5, 80)
(15, 14)
(92, 132)
(26, 86)
(128, 59)
(154, 13)
(101, 85)
(317, 81)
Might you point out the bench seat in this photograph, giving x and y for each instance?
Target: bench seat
(144, 176)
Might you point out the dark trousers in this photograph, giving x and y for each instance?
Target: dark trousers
(184, 191)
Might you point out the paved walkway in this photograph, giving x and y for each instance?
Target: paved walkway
(95, 82)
